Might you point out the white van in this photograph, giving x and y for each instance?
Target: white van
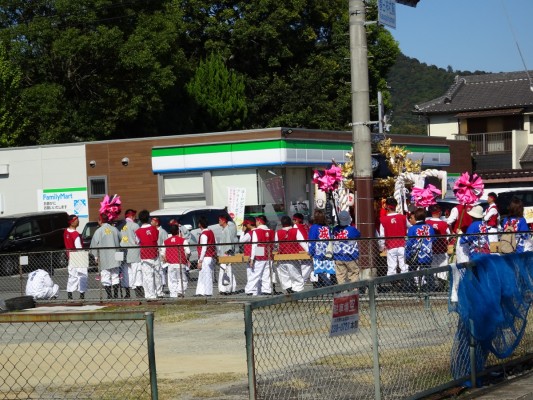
(188, 219)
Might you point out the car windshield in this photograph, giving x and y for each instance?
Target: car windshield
(5, 228)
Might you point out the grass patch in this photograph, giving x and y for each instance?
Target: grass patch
(184, 311)
(297, 384)
(196, 386)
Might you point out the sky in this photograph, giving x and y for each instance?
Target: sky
(468, 35)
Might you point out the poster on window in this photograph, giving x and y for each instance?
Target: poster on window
(275, 187)
(345, 316)
(236, 203)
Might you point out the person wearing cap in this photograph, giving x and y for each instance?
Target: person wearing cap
(131, 268)
(207, 253)
(475, 237)
(419, 245)
(302, 234)
(161, 280)
(227, 284)
(259, 265)
(491, 216)
(289, 272)
(104, 243)
(147, 238)
(319, 250)
(77, 277)
(393, 229)
(175, 253)
(517, 222)
(346, 251)
(440, 246)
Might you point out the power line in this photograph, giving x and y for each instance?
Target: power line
(517, 45)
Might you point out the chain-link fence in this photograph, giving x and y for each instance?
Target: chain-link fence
(283, 266)
(404, 345)
(77, 356)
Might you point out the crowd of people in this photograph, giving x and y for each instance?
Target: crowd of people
(424, 238)
(152, 262)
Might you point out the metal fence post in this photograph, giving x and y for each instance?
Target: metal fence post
(250, 361)
(151, 353)
(472, 355)
(375, 341)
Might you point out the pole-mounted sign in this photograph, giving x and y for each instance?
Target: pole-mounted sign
(387, 13)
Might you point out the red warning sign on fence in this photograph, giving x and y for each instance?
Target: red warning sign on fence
(345, 316)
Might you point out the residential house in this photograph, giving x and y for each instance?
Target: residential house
(494, 113)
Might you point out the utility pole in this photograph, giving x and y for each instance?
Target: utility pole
(362, 147)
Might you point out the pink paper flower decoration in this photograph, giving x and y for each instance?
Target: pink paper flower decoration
(111, 207)
(328, 180)
(468, 189)
(425, 197)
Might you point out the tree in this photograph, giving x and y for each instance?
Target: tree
(103, 67)
(98, 69)
(219, 93)
(11, 123)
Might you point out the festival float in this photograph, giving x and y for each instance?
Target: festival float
(335, 187)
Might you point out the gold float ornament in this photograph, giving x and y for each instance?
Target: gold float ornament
(397, 160)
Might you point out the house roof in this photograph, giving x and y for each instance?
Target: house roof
(507, 90)
(528, 155)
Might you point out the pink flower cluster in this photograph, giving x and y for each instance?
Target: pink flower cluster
(111, 207)
(425, 197)
(468, 189)
(329, 179)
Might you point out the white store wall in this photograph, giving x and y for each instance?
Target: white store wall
(39, 168)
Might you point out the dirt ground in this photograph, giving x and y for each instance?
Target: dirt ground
(201, 351)
(199, 345)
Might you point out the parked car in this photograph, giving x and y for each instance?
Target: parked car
(504, 199)
(87, 235)
(90, 227)
(188, 218)
(446, 205)
(32, 234)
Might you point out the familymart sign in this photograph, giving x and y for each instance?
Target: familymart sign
(272, 153)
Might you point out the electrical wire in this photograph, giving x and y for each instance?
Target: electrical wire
(517, 45)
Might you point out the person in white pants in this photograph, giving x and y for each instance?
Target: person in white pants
(227, 284)
(259, 279)
(147, 236)
(104, 245)
(492, 217)
(176, 254)
(289, 271)
(131, 275)
(40, 286)
(207, 253)
(161, 280)
(77, 274)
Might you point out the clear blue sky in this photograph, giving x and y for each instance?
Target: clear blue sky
(467, 35)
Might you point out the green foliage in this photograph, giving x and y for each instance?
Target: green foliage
(219, 93)
(10, 102)
(413, 82)
(81, 70)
